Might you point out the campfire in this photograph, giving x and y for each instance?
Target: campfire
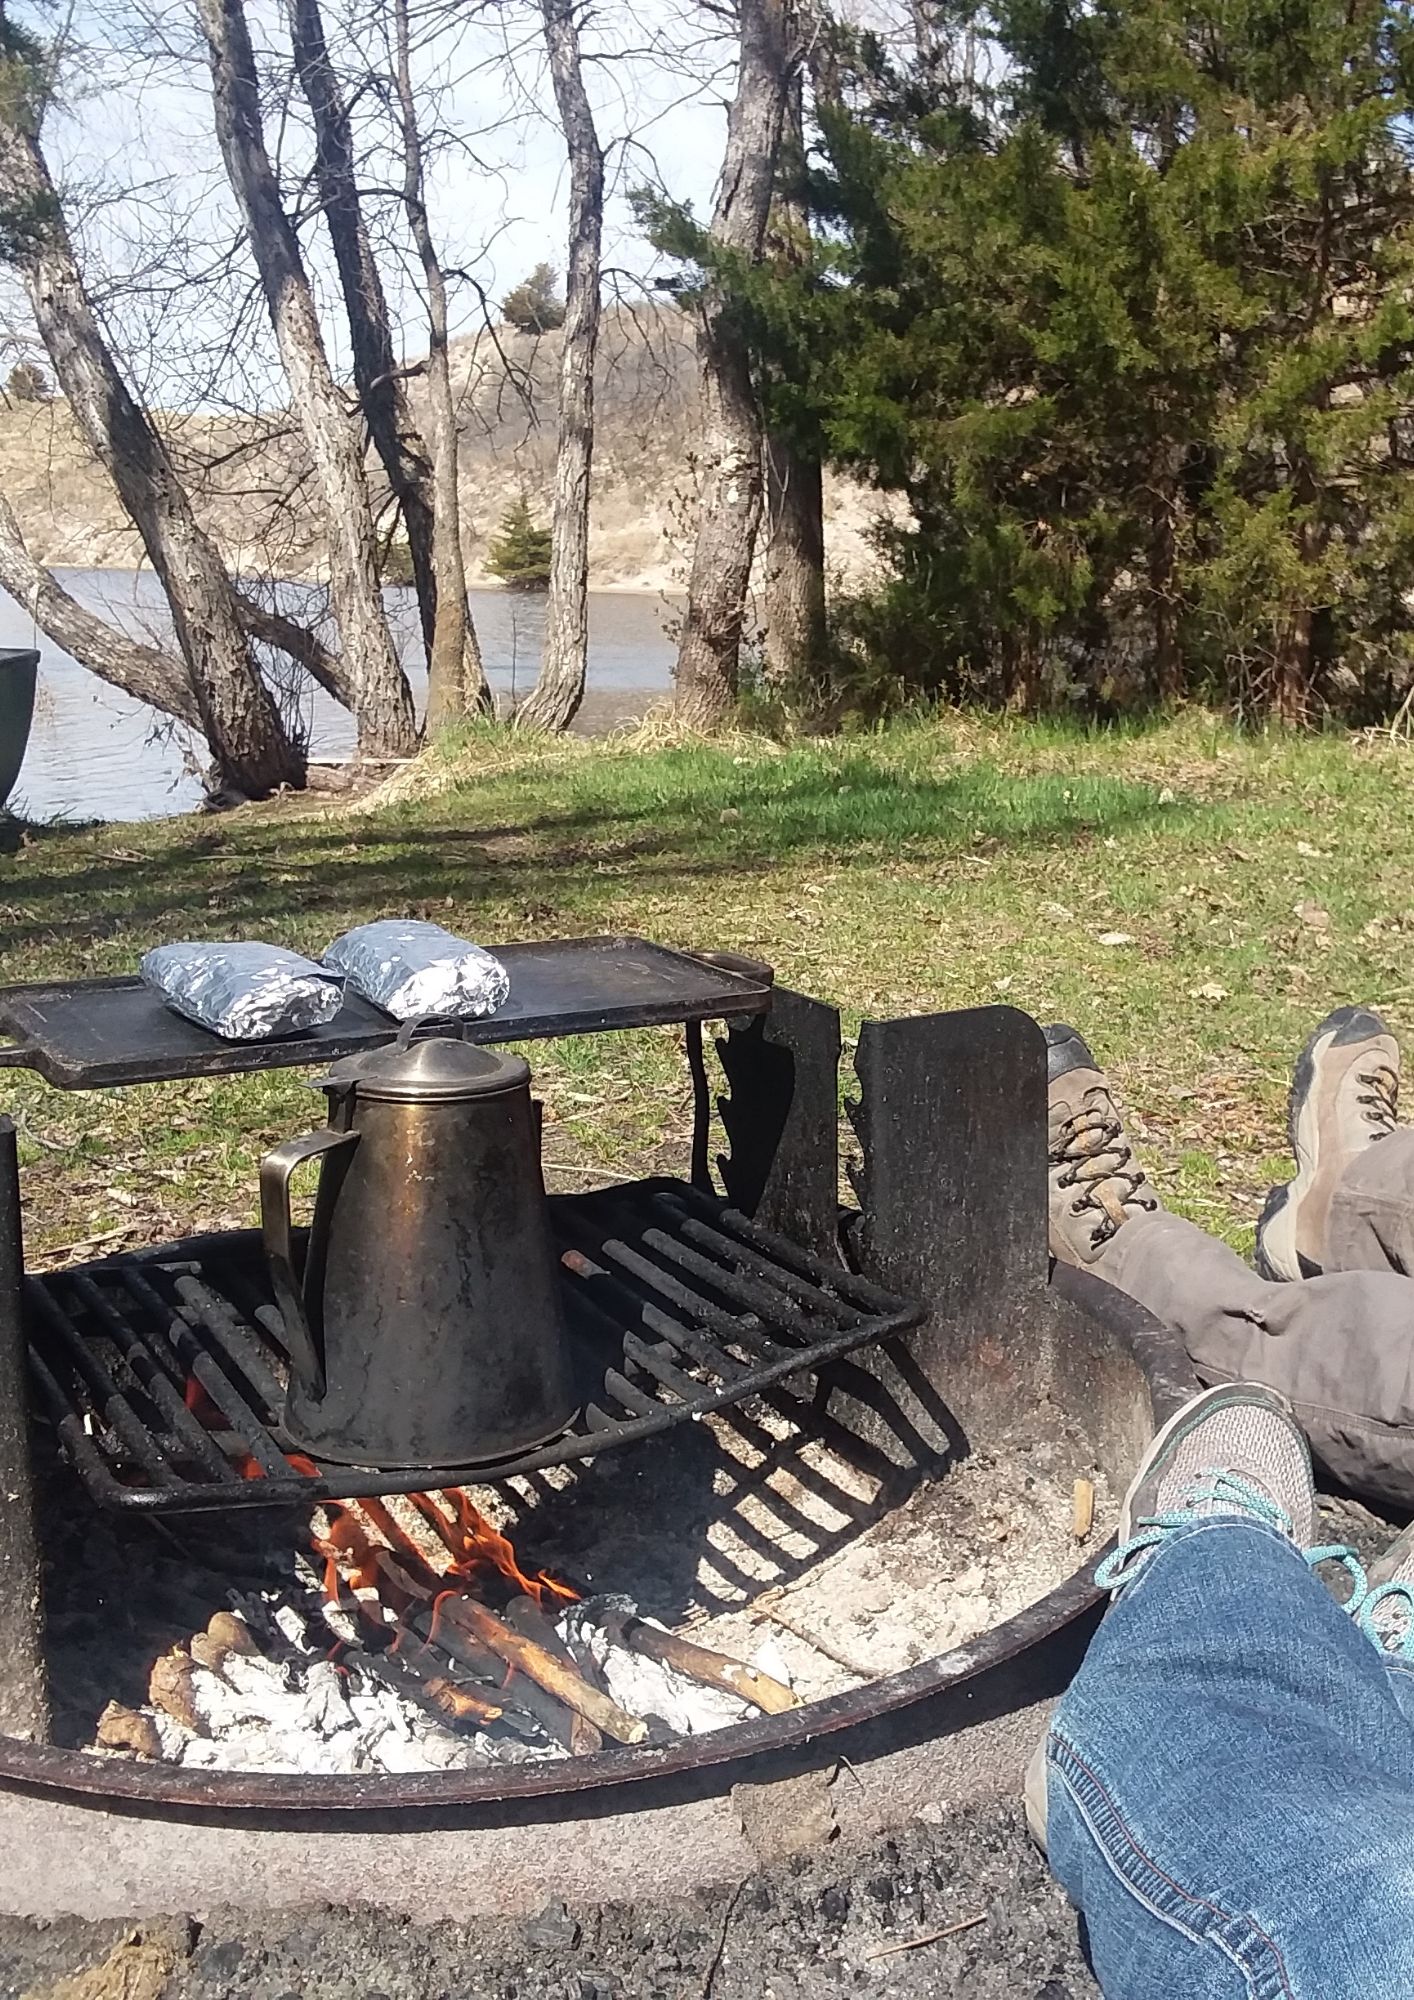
(463, 1485)
(410, 1638)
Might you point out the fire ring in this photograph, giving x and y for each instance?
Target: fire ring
(1135, 1368)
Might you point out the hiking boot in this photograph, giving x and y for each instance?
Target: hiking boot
(1344, 1096)
(1095, 1184)
(1234, 1452)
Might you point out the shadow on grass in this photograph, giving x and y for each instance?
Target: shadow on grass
(558, 842)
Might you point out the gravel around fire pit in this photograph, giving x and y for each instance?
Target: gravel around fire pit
(813, 1930)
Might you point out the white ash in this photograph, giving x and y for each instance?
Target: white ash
(290, 1708)
(961, 1554)
(646, 1687)
(262, 1716)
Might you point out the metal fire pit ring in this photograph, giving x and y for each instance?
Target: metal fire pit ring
(1010, 1668)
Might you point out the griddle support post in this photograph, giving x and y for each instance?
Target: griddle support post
(24, 1694)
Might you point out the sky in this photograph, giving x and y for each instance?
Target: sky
(131, 143)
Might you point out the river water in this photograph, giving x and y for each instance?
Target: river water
(95, 754)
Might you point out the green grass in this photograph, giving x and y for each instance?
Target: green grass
(1143, 883)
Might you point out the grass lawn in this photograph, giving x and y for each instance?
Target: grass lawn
(1192, 899)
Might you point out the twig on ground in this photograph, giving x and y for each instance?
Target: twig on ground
(930, 1937)
(47, 1257)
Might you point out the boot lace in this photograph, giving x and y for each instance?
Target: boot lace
(1094, 1155)
(1221, 1494)
(1380, 1097)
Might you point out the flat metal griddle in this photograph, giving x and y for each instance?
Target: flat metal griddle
(91, 1033)
(676, 1306)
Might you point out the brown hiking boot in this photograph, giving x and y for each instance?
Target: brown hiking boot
(1344, 1096)
(1095, 1184)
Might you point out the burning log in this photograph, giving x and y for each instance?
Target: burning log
(548, 1672)
(524, 1615)
(461, 1705)
(695, 1663)
(432, 1691)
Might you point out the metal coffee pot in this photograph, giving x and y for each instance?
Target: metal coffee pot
(427, 1328)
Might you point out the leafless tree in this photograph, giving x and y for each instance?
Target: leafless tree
(456, 678)
(380, 696)
(557, 694)
(148, 673)
(730, 441)
(226, 695)
(377, 375)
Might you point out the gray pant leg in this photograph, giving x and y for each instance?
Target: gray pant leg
(1341, 1347)
(1371, 1224)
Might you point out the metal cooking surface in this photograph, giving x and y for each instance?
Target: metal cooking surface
(81, 1034)
(163, 1372)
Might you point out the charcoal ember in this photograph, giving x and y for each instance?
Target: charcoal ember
(410, 969)
(244, 992)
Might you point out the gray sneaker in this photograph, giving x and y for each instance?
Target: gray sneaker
(1344, 1096)
(1096, 1185)
(1234, 1452)
(1385, 1609)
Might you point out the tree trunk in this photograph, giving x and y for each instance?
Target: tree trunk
(147, 673)
(377, 375)
(795, 486)
(1165, 502)
(233, 707)
(730, 447)
(456, 678)
(304, 647)
(556, 696)
(382, 700)
(795, 566)
(1296, 670)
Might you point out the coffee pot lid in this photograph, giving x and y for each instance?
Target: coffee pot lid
(438, 1068)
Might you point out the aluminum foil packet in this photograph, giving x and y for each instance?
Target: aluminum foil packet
(244, 992)
(410, 969)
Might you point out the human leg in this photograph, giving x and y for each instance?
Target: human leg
(1339, 1347)
(1350, 1206)
(1229, 1783)
(1371, 1222)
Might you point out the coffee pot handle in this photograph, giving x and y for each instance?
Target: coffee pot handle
(277, 1226)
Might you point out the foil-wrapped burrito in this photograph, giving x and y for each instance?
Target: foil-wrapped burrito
(244, 992)
(409, 969)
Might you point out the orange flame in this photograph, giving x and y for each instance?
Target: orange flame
(351, 1551)
(485, 1547)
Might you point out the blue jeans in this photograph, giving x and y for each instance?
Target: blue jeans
(1231, 1784)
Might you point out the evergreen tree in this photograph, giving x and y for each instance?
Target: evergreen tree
(535, 306)
(1136, 345)
(520, 554)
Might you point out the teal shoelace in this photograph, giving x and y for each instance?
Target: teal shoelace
(1400, 1644)
(1224, 1495)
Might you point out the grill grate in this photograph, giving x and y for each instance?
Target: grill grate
(676, 1306)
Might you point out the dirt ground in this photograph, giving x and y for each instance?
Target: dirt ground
(861, 1924)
